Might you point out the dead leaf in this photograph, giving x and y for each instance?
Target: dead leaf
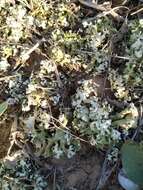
(3, 107)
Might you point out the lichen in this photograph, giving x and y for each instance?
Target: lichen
(92, 116)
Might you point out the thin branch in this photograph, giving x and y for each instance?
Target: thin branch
(76, 137)
(93, 5)
(105, 11)
(9, 77)
(138, 11)
(106, 171)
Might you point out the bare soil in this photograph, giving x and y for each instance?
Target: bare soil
(5, 129)
(81, 172)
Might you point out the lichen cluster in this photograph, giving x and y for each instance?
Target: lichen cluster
(126, 82)
(49, 54)
(24, 175)
(92, 116)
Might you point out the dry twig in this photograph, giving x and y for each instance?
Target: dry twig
(106, 171)
(15, 137)
(140, 123)
(105, 10)
(93, 5)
